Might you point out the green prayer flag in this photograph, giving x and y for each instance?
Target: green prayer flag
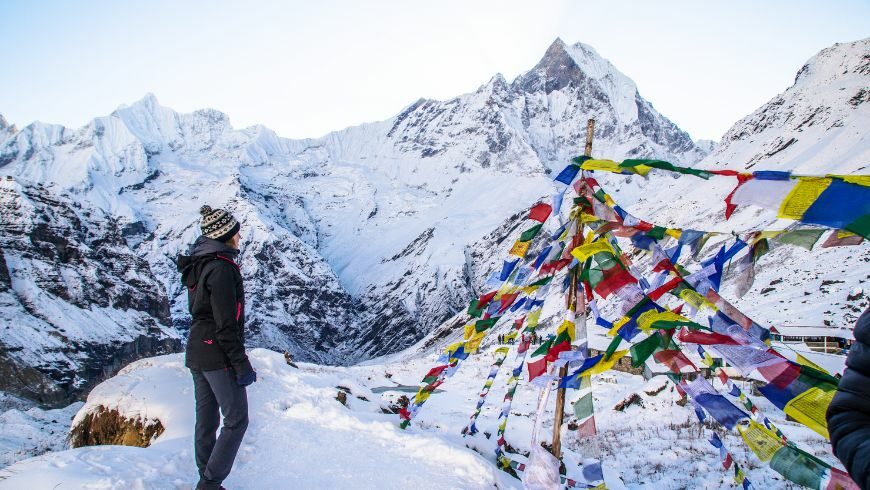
(642, 350)
(657, 232)
(614, 344)
(662, 165)
(474, 310)
(542, 282)
(860, 226)
(482, 325)
(801, 238)
(583, 407)
(543, 348)
(798, 466)
(531, 233)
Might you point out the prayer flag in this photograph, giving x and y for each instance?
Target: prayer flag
(537, 368)
(531, 233)
(540, 212)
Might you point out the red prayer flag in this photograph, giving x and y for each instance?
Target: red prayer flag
(404, 414)
(540, 212)
(728, 460)
(554, 351)
(644, 226)
(780, 374)
(614, 278)
(524, 346)
(485, 299)
(506, 301)
(674, 359)
(679, 309)
(537, 368)
(729, 206)
(664, 288)
(704, 338)
(518, 323)
(722, 376)
(435, 371)
(587, 427)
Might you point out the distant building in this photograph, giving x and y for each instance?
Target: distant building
(819, 339)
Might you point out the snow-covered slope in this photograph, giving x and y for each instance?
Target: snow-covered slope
(301, 436)
(75, 302)
(360, 242)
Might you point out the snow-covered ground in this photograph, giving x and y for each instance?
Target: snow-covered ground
(27, 431)
(301, 436)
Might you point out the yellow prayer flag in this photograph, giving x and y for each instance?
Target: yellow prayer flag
(647, 319)
(501, 351)
(856, 179)
(566, 326)
(474, 342)
(770, 233)
(802, 196)
(695, 300)
(806, 362)
(533, 317)
(529, 290)
(450, 349)
(616, 325)
(672, 232)
(763, 442)
(520, 248)
(605, 165)
(469, 331)
(809, 409)
(583, 252)
(421, 397)
(641, 170)
(589, 218)
(844, 234)
(605, 365)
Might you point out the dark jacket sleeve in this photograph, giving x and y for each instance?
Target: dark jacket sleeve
(221, 283)
(849, 412)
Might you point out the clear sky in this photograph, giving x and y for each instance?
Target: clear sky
(304, 68)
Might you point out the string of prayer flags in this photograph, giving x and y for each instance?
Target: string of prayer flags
(728, 461)
(512, 383)
(792, 463)
(840, 202)
(500, 355)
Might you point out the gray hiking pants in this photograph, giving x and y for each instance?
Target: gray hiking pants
(217, 392)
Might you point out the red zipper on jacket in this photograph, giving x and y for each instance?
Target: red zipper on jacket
(238, 310)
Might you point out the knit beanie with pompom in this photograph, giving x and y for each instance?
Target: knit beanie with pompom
(218, 224)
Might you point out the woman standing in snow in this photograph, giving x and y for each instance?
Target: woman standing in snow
(215, 351)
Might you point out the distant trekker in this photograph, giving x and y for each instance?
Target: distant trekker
(216, 346)
(849, 412)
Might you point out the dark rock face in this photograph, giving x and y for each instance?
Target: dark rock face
(68, 270)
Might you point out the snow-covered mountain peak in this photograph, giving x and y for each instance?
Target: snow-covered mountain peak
(836, 63)
(816, 126)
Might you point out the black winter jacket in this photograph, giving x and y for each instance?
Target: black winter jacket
(849, 413)
(216, 301)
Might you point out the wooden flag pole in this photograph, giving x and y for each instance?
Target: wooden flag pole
(572, 305)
